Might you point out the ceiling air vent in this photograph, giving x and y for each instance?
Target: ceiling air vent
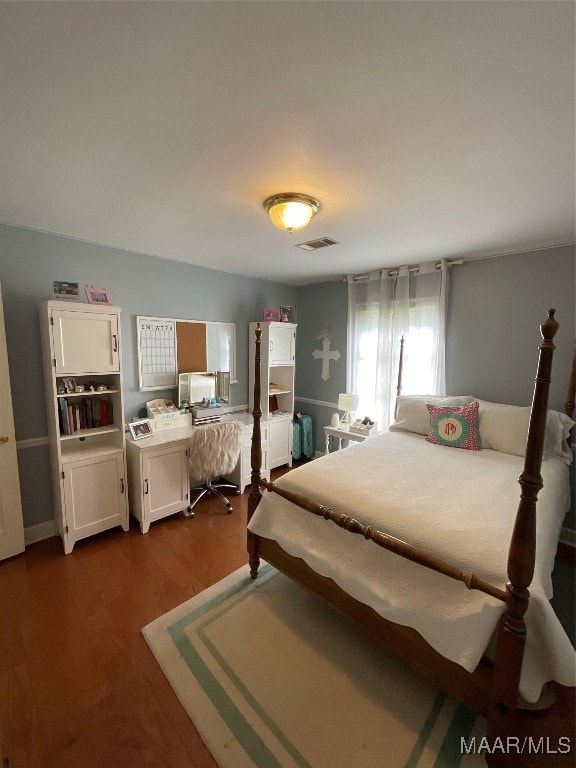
(313, 245)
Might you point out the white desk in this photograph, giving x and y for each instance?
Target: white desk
(159, 476)
(341, 434)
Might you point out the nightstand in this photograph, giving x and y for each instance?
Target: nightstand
(341, 434)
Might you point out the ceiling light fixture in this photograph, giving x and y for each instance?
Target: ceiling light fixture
(291, 210)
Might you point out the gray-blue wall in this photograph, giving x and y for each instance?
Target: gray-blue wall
(141, 285)
(495, 307)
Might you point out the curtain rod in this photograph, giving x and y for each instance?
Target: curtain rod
(392, 272)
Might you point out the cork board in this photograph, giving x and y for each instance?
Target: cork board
(190, 347)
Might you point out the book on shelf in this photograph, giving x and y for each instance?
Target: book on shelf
(63, 415)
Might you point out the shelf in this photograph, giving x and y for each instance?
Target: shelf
(88, 393)
(82, 451)
(81, 433)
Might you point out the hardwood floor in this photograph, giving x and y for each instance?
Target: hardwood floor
(79, 687)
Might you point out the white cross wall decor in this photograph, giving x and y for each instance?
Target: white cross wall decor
(326, 356)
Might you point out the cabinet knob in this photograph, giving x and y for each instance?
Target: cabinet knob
(4, 439)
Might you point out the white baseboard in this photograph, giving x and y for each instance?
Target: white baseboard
(39, 532)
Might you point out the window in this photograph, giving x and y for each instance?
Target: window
(382, 310)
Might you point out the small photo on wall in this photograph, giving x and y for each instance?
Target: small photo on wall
(64, 289)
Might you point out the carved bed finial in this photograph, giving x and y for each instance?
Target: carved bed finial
(549, 326)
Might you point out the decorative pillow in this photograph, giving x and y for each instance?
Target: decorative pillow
(454, 427)
(412, 415)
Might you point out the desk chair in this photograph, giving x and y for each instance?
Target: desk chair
(214, 452)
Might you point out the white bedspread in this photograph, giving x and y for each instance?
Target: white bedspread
(459, 505)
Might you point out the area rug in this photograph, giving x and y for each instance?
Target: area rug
(272, 677)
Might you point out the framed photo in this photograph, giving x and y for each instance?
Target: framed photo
(140, 429)
(97, 295)
(271, 314)
(69, 383)
(65, 290)
(286, 315)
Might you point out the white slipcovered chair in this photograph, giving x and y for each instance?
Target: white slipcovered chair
(214, 452)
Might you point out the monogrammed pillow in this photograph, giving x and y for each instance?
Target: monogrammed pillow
(454, 427)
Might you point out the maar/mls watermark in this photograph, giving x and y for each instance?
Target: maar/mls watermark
(514, 745)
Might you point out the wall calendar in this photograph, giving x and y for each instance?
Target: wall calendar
(157, 353)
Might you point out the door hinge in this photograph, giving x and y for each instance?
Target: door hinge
(62, 473)
(54, 362)
(66, 528)
(51, 320)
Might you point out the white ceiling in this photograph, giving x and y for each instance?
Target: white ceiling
(426, 129)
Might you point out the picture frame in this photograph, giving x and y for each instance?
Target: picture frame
(271, 314)
(97, 295)
(69, 383)
(140, 429)
(64, 289)
(287, 314)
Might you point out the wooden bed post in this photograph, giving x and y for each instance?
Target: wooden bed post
(521, 555)
(571, 394)
(256, 458)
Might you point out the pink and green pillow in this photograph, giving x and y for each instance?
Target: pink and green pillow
(455, 427)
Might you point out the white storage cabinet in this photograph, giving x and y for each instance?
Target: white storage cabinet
(158, 476)
(81, 349)
(278, 353)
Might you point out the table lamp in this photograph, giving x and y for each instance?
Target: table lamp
(347, 403)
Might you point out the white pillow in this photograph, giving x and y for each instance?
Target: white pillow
(558, 426)
(412, 414)
(504, 428)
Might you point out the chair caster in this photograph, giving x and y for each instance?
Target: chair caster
(229, 509)
(189, 512)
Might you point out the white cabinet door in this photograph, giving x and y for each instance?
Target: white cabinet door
(280, 442)
(85, 342)
(165, 485)
(94, 496)
(282, 345)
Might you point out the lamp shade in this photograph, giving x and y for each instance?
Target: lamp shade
(291, 210)
(347, 402)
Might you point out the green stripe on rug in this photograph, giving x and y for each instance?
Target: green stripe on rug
(249, 698)
(235, 721)
(450, 754)
(426, 730)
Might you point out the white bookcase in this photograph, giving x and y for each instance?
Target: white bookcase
(85, 411)
(278, 351)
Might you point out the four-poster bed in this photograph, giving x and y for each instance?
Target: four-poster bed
(491, 686)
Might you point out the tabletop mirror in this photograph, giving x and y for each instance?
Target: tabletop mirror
(196, 386)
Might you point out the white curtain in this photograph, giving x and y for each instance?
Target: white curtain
(383, 308)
